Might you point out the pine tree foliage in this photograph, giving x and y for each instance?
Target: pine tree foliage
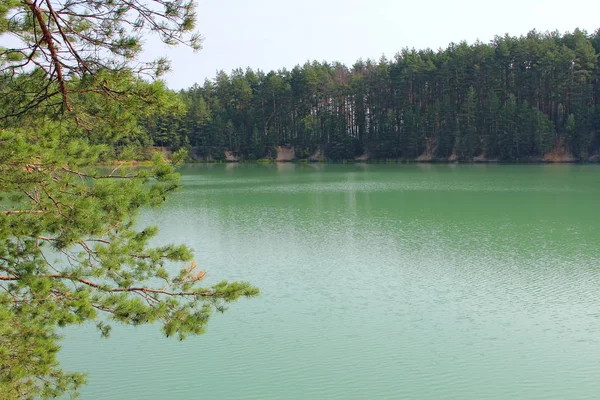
(70, 93)
(515, 98)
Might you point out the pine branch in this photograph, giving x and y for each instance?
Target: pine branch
(119, 290)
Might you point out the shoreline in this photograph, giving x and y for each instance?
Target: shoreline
(320, 158)
(393, 161)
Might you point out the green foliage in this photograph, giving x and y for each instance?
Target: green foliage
(28, 350)
(69, 249)
(510, 99)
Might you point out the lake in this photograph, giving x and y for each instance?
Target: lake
(377, 282)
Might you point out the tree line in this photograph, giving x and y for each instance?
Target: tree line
(515, 98)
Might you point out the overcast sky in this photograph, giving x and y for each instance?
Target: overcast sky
(272, 34)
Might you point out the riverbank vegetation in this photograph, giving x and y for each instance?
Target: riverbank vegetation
(529, 98)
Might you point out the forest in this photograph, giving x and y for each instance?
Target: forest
(529, 98)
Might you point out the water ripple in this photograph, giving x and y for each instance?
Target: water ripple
(386, 283)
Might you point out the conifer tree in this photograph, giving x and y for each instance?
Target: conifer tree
(70, 90)
(509, 99)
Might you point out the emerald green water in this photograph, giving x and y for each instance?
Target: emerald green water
(378, 282)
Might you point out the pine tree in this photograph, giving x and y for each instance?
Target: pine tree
(478, 99)
(70, 90)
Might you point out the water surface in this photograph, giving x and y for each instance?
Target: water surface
(377, 281)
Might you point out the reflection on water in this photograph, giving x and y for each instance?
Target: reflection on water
(378, 281)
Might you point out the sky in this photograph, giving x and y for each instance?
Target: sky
(275, 34)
